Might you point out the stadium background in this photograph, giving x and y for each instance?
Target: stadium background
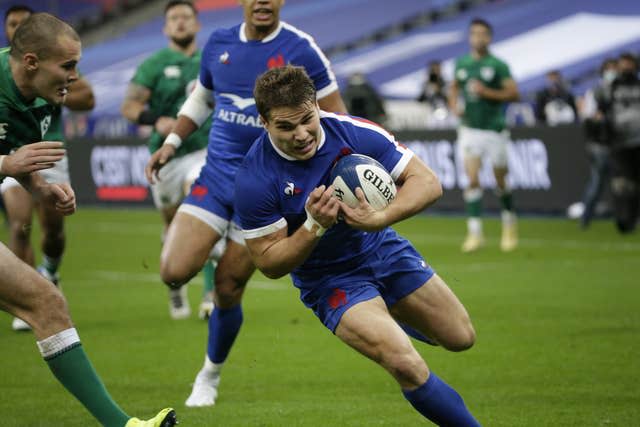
(557, 320)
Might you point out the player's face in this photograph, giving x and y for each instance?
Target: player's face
(479, 37)
(13, 22)
(295, 131)
(264, 15)
(181, 25)
(54, 74)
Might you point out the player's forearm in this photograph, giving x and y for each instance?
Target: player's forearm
(286, 254)
(501, 95)
(80, 96)
(184, 127)
(131, 110)
(453, 98)
(418, 192)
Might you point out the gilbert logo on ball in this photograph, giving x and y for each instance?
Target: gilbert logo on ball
(357, 170)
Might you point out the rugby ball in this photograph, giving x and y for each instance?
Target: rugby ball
(357, 170)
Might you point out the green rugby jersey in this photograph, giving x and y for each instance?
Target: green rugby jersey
(21, 122)
(481, 113)
(171, 76)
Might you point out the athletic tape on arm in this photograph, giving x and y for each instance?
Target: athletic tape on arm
(197, 106)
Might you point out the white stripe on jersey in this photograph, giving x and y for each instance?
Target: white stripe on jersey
(331, 87)
(406, 153)
(266, 230)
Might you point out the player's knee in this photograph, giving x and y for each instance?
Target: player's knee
(175, 272)
(408, 368)
(228, 289)
(20, 231)
(463, 338)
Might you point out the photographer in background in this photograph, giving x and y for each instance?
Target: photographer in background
(598, 134)
(555, 104)
(362, 100)
(433, 91)
(622, 111)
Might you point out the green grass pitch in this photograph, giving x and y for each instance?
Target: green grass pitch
(558, 325)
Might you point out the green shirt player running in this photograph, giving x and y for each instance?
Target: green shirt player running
(486, 85)
(37, 72)
(157, 90)
(18, 202)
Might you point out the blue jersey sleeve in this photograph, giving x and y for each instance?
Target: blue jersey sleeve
(373, 141)
(205, 72)
(317, 66)
(256, 203)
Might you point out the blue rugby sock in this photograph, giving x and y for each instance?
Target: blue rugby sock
(224, 325)
(438, 402)
(417, 335)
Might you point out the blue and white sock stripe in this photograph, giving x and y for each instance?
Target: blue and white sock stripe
(59, 343)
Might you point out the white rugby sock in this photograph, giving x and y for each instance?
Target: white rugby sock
(474, 226)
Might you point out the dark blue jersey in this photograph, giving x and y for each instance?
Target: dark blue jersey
(272, 188)
(230, 66)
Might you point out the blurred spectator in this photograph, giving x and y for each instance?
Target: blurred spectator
(555, 103)
(433, 91)
(362, 100)
(598, 136)
(621, 109)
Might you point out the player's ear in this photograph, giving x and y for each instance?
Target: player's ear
(264, 121)
(31, 61)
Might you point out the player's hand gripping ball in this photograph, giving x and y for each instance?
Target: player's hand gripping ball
(357, 170)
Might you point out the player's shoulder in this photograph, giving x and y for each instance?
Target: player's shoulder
(464, 60)
(256, 156)
(224, 34)
(258, 165)
(158, 57)
(353, 124)
(496, 60)
(296, 37)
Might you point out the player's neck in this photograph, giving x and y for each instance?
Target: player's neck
(252, 32)
(22, 81)
(187, 50)
(481, 53)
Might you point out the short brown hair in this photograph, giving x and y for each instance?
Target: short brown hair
(39, 34)
(287, 86)
(174, 3)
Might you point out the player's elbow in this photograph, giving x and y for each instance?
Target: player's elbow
(128, 111)
(435, 189)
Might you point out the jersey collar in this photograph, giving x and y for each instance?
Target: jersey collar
(21, 103)
(273, 35)
(284, 155)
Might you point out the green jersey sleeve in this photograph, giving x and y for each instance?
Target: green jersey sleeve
(9, 133)
(147, 74)
(502, 71)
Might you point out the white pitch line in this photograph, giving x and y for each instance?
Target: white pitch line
(125, 276)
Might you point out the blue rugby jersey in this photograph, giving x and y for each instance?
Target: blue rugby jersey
(272, 188)
(230, 66)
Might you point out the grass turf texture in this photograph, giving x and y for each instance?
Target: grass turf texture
(558, 325)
